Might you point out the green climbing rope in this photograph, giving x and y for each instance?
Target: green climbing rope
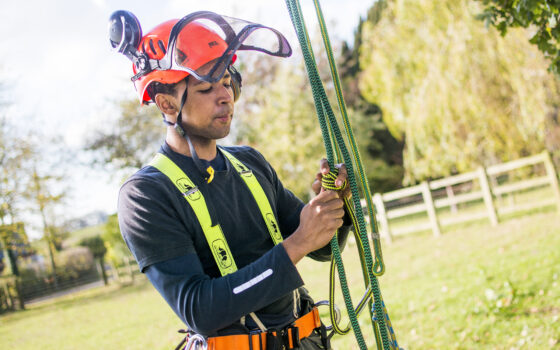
(337, 152)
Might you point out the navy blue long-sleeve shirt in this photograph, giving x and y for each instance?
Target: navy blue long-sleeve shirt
(162, 231)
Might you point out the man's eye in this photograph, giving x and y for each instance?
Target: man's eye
(205, 91)
(228, 84)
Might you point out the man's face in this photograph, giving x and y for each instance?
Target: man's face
(208, 111)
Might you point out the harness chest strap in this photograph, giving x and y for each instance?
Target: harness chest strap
(214, 235)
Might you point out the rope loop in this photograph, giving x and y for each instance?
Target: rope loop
(329, 181)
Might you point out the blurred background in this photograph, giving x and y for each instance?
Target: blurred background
(454, 105)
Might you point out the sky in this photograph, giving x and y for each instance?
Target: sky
(62, 75)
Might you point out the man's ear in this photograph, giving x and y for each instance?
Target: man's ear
(167, 104)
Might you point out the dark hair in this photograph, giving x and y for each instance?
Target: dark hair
(156, 87)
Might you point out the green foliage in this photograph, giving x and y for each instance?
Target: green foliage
(96, 245)
(457, 93)
(15, 155)
(116, 247)
(540, 16)
(14, 241)
(44, 198)
(75, 261)
(280, 122)
(131, 140)
(381, 152)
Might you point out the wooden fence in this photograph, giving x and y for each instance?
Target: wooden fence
(482, 185)
(124, 274)
(15, 291)
(10, 294)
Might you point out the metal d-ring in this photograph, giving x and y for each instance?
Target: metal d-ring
(196, 342)
(337, 316)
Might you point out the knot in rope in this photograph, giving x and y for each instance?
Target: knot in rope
(329, 181)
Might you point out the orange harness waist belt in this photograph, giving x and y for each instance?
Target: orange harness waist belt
(290, 336)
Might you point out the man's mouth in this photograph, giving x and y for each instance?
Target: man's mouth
(225, 117)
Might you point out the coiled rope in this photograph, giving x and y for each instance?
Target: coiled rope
(337, 152)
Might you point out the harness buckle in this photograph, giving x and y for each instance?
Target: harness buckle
(258, 334)
(274, 341)
(191, 191)
(293, 333)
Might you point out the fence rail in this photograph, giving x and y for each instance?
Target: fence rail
(15, 292)
(483, 186)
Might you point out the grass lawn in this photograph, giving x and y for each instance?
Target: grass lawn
(476, 287)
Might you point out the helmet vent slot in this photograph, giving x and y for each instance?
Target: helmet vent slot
(151, 43)
(161, 46)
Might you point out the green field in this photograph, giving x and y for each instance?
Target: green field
(476, 287)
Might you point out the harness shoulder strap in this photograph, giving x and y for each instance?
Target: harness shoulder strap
(260, 197)
(214, 235)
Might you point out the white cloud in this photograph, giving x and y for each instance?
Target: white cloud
(100, 3)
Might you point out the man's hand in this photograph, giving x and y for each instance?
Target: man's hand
(342, 176)
(321, 217)
(319, 220)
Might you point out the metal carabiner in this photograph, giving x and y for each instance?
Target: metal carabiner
(337, 316)
(196, 342)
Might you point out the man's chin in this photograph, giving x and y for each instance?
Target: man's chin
(221, 134)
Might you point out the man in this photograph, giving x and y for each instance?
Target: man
(212, 227)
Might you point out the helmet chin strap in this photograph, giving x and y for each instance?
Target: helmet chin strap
(207, 173)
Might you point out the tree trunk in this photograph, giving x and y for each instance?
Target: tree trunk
(103, 272)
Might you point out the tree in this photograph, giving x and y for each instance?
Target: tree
(277, 117)
(14, 241)
(541, 16)
(116, 247)
(130, 141)
(456, 92)
(41, 193)
(16, 155)
(96, 245)
(381, 152)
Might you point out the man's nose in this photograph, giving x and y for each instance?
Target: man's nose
(226, 94)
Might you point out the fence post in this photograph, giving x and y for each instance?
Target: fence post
(487, 196)
(19, 293)
(115, 272)
(428, 200)
(9, 299)
(451, 196)
(129, 268)
(551, 172)
(381, 216)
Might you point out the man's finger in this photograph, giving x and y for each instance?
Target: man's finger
(342, 175)
(316, 185)
(326, 196)
(324, 166)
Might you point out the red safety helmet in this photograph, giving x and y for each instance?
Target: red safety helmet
(178, 48)
(199, 45)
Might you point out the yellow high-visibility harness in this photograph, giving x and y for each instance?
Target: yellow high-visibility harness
(214, 235)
